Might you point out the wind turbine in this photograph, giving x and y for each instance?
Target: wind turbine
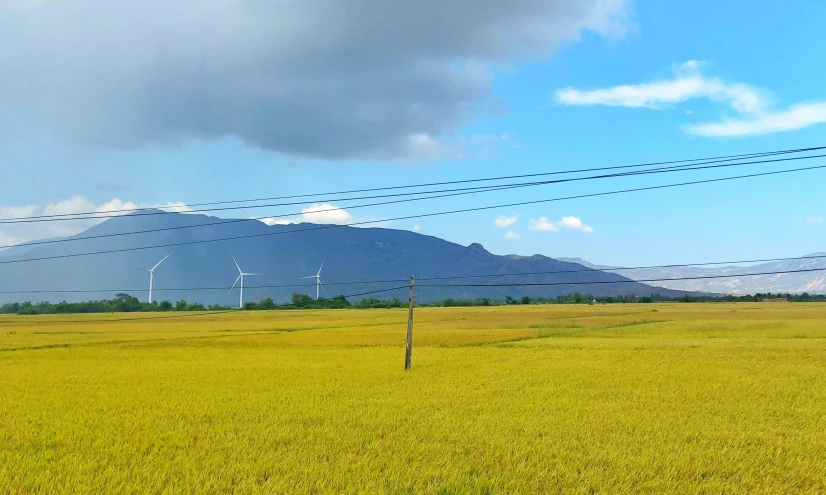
(152, 275)
(241, 275)
(317, 278)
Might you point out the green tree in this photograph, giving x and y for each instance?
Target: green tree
(340, 302)
(165, 306)
(128, 303)
(301, 300)
(267, 303)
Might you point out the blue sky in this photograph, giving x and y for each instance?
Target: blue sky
(703, 79)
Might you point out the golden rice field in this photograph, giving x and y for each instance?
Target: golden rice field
(663, 398)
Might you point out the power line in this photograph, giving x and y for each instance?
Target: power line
(454, 277)
(629, 281)
(408, 217)
(158, 211)
(111, 213)
(470, 190)
(615, 269)
(681, 168)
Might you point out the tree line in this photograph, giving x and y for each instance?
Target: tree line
(125, 303)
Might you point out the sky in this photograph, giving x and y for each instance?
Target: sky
(113, 104)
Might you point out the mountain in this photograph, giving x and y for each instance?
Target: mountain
(792, 283)
(282, 256)
(26, 247)
(580, 261)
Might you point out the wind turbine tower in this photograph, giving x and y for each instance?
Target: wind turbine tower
(241, 276)
(152, 275)
(317, 278)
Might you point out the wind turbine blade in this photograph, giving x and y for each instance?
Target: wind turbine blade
(164, 259)
(255, 274)
(236, 263)
(139, 268)
(311, 276)
(233, 285)
(322, 266)
(322, 287)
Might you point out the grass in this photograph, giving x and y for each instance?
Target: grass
(690, 398)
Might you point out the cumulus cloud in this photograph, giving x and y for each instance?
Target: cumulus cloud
(543, 224)
(756, 115)
(814, 220)
(417, 228)
(574, 223)
(323, 213)
(11, 234)
(326, 213)
(314, 78)
(513, 236)
(502, 221)
(16, 212)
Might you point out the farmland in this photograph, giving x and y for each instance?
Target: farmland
(642, 398)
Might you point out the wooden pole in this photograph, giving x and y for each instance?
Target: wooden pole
(409, 349)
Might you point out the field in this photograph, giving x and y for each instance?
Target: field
(663, 398)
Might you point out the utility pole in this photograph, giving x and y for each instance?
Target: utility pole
(409, 349)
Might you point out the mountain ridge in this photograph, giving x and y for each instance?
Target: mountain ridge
(791, 283)
(283, 256)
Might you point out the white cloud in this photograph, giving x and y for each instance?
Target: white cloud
(80, 204)
(502, 221)
(277, 221)
(417, 228)
(15, 212)
(512, 236)
(11, 234)
(795, 117)
(574, 223)
(688, 83)
(814, 220)
(175, 207)
(543, 224)
(323, 213)
(754, 105)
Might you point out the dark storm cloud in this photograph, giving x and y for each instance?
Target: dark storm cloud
(330, 79)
